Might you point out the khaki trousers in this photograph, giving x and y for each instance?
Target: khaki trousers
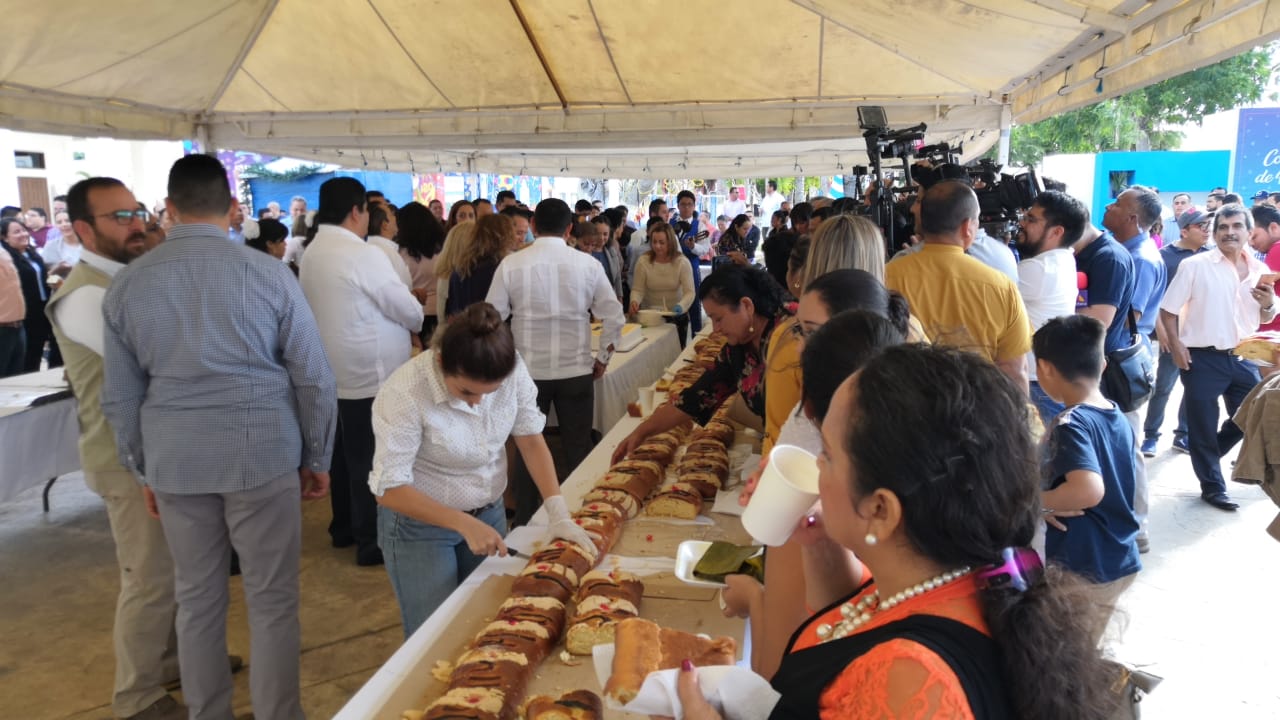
(145, 642)
(1108, 595)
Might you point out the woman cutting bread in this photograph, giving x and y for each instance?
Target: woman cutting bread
(440, 468)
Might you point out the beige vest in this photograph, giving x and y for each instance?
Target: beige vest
(84, 370)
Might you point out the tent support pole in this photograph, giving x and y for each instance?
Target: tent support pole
(1006, 122)
(542, 58)
(202, 137)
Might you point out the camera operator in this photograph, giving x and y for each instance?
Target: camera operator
(992, 252)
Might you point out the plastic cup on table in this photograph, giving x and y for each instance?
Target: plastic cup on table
(646, 400)
(788, 488)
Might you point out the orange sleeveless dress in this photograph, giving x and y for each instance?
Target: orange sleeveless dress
(901, 679)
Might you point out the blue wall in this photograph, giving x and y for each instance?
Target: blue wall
(1257, 152)
(398, 187)
(1170, 171)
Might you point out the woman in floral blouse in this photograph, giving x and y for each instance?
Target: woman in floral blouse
(744, 304)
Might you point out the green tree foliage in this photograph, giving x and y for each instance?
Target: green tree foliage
(1139, 120)
(787, 185)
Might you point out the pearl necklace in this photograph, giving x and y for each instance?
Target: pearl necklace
(857, 615)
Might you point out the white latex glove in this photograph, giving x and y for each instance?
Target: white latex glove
(563, 527)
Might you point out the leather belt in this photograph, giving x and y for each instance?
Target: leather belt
(14, 324)
(476, 512)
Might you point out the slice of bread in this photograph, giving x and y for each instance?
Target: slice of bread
(642, 647)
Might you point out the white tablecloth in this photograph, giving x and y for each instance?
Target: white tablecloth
(37, 444)
(628, 372)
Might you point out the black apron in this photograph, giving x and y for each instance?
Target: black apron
(805, 674)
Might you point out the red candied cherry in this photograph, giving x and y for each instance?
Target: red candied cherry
(648, 538)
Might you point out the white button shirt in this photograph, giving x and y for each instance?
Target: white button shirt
(80, 313)
(1048, 286)
(548, 289)
(1215, 308)
(450, 451)
(392, 251)
(364, 312)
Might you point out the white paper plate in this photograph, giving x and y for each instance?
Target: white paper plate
(687, 557)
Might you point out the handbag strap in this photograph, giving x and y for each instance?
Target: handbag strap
(1133, 321)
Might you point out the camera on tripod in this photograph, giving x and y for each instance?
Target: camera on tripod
(883, 143)
(1002, 197)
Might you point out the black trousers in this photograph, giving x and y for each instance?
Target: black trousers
(13, 350)
(350, 497)
(39, 331)
(1214, 374)
(682, 328)
(339, 494)
(574, 399)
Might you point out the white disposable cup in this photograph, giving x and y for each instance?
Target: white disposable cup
(646, 400)
(788, 488)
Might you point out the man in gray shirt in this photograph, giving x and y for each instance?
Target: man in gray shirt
(222, 402)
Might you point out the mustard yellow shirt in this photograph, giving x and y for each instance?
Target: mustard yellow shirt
(782, 381)
(961, 302)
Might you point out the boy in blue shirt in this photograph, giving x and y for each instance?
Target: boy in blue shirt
(1092, 466)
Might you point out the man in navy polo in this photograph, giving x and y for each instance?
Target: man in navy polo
(1109, 294)
(1193, 225)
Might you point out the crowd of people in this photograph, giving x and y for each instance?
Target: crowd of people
(983, 489)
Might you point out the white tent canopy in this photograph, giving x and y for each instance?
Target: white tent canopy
(658, 88)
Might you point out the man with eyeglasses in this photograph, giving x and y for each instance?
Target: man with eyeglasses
(109, 223)
(1047, 272)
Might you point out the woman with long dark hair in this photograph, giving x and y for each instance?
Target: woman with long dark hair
(270, 239)
(733, 242)
(745, 305)
(929, 475)
(842, 318)
(420, 237)
(36, 292)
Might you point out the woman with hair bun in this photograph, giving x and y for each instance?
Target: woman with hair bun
(440, 466)
(929, 475)
(745, 304)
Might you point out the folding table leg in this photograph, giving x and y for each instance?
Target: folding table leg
(47, 487)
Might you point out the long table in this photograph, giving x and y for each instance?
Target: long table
(628, 372)
(38, 444)
(400, 683)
